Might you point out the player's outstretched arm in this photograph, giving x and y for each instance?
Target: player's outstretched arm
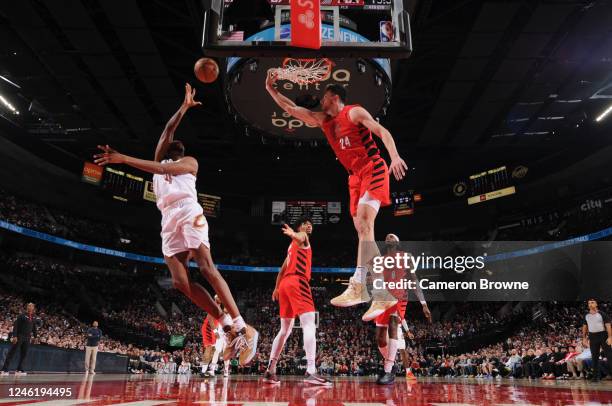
(301, 237)
(359, 115)
(167, 135)
(309, 117)
(182, 166)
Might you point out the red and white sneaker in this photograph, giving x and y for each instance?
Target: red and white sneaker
(410, 376)
(314, 379)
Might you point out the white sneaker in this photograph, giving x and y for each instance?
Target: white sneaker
(20, 373)
(4, 373)
(354, 294)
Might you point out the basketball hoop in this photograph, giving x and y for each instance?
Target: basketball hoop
(305, 71)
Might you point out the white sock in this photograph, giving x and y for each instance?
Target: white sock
(225, 320)
(226, 365)
(279, 343)
(307, 320)
(213, 363)
(358, 275)
(391, 354)
(383, 351)
(239, 323)
(204, 368)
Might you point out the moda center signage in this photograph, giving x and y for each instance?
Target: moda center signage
(368, 83)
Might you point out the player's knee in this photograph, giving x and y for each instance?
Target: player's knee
(208, 270)
(181, 285)
(363, 226)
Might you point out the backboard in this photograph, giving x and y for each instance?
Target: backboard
(349, 29)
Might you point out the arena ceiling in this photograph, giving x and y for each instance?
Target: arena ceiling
(489, 82)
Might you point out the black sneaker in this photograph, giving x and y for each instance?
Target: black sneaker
(386, 379)
(270, 378)
(314, 379)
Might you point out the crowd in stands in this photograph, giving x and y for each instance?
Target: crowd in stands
(139, 316)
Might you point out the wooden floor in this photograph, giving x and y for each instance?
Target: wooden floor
(249, 390)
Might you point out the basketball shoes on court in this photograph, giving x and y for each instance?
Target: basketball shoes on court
(314, 379)
(410, 376)
(270, 378)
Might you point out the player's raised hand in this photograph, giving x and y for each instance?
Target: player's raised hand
(398, 167)
(108, 156)
(271, 78)
(288, 231)
(189, 100)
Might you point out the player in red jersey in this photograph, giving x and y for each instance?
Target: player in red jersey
(209, 339)
(388, 323)
(294, 297)
(349, 129)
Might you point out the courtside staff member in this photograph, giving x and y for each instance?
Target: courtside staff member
(94, 334)
(598, 331)
(23, 329)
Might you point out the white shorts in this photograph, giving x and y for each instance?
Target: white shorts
(184, 227)
(370, 201)
(401, 344)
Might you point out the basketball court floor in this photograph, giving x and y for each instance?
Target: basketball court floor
(150, 390)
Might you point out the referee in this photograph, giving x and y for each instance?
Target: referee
(597, 334)
(23, 328)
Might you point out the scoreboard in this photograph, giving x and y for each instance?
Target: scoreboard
(122, 186)
(343, 4)
(489, 185)
(403, 202)
(320, 212)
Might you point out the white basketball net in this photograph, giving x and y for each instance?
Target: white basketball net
(304, 71)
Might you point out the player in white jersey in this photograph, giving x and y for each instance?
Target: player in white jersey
(185, 230)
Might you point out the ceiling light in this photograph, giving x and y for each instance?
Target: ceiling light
(604, 114)
(8, 105)
(12, 83)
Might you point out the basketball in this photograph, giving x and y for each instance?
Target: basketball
(206, 70)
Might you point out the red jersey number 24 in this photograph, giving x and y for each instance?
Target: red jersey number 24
(345, 143)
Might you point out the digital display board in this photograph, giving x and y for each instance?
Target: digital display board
(489, 185)
(211, 204)
(123, 186)
(403, 202)
(320, 212)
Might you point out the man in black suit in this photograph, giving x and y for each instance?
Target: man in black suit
(23, 329)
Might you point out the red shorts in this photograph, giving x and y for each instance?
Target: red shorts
(372, 178)
(206, 342)
(294, 297)
(399, 309)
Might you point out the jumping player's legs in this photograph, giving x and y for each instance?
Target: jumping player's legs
(210, 272)
(194, 291)
(368, 190)
(356, 293)
(245, 338)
